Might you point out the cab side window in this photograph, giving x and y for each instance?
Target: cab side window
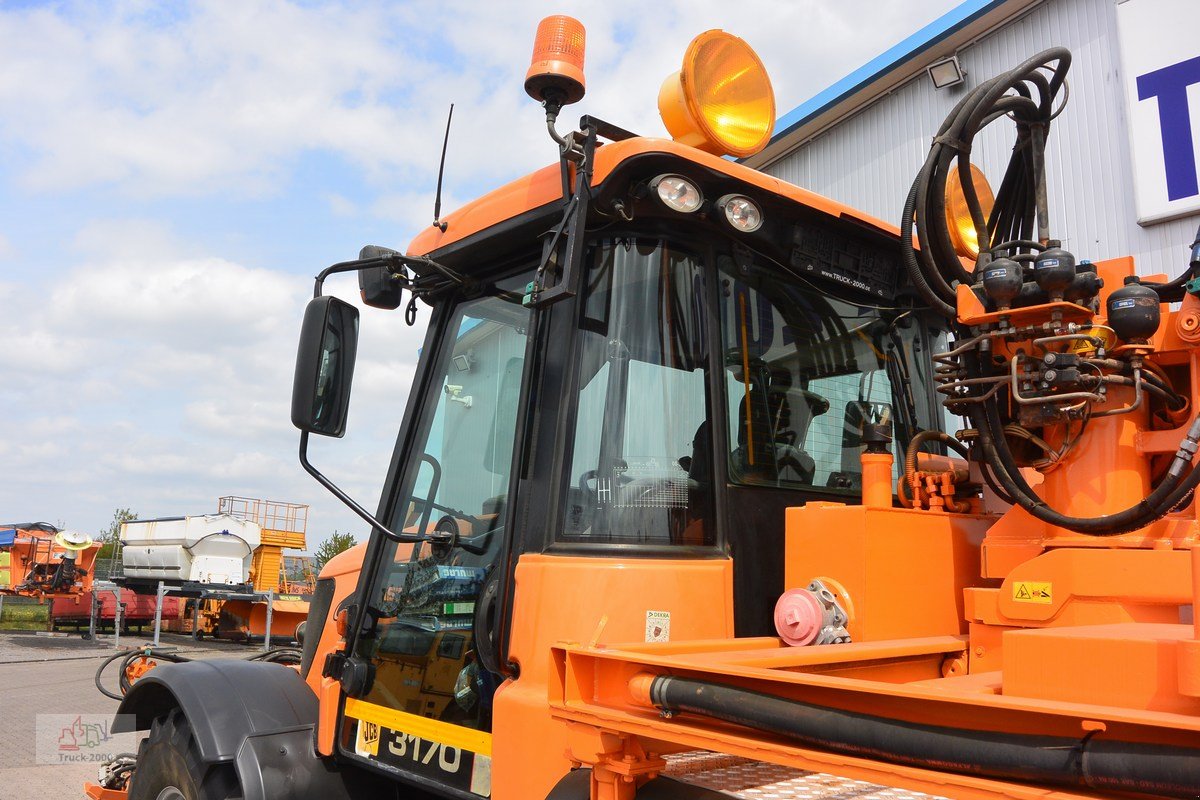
(640, 463)
(804, 372)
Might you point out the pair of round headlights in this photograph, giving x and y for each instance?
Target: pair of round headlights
(680, 194)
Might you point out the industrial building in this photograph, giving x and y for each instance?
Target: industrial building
(1122, 164)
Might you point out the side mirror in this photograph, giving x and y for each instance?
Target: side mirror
(325, 366)
(376, 285)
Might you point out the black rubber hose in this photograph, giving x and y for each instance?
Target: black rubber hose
(1088, 761)
(279, 655)
(992, 482)
(126, 657)
(1172, 291)
(1026, 95)
(1164, 497)
(1174, 400)
(915, 274)
(914, 446)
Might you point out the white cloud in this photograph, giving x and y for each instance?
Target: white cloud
(161, 383)
(211, 96)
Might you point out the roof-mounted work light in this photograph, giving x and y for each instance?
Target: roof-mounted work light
(721, 100)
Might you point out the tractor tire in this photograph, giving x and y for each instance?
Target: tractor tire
(169, 766)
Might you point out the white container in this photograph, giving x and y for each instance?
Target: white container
(204, 549)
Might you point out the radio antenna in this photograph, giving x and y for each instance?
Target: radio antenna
(437, 199)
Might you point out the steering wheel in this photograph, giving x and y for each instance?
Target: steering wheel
(588, 491)
(591, 474)
(447, 535)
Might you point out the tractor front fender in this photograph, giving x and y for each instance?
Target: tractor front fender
(257, 715)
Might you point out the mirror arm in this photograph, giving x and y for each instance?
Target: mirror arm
(351, 266)
(347, 499)
(394, 260)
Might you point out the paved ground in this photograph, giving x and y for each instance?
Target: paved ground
(48, 684)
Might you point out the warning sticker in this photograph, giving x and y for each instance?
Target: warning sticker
(1033, 592)
(658, 626)
(367, 741)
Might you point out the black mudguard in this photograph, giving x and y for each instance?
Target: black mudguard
(258, 715)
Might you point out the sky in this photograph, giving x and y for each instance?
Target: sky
(172, 175)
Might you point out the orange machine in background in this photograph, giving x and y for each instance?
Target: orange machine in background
(290, 578)
(39, 560)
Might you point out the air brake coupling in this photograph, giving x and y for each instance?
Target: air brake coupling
(811, 616)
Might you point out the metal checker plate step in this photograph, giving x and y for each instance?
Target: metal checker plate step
(758, 780)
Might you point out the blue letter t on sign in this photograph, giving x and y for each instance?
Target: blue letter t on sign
(1169, 85)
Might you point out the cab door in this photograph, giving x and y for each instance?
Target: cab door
(426, 711)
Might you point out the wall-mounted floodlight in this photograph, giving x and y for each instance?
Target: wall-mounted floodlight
(946, 72)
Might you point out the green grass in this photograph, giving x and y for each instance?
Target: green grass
(23, 617)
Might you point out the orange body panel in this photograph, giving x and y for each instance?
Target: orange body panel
(545, 186)
(343, 569)
(1132, 665)
(593, 600)
(904, 570)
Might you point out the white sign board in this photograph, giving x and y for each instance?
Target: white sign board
(1160, 67)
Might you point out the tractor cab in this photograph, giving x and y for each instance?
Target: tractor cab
(641, 514)
(643, 354)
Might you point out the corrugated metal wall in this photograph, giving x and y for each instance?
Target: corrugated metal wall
(869, 159)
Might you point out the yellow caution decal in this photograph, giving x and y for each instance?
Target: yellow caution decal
(1033, 592)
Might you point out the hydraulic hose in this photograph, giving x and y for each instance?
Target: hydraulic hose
(1172, 291)
(1019, 227)
(278, 655)
(1089, 761)
(910, 464)
(1180, 480)
(1018, 221)
(914, 448)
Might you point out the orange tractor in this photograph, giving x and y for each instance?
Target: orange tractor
(677, 478)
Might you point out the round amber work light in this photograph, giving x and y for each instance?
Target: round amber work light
(963, 235)
(721, 101)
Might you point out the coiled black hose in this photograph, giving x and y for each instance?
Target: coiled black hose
(278, 655)
(1019, 226)
(1027, 95)
(1181, 478)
